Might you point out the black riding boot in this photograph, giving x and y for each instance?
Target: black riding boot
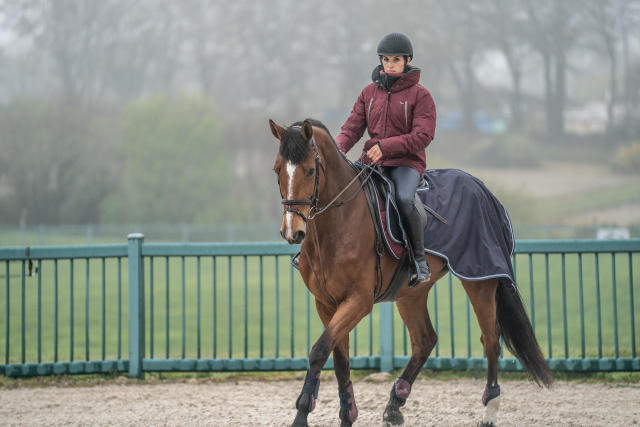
(416, 238)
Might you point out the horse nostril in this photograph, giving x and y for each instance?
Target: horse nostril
(282, 234)
(298, 236)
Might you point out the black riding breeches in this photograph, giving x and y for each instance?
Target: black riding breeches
(406, 180)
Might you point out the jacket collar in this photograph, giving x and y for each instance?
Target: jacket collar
(408, 79)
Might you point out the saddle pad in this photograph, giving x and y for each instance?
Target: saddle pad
(477, 242)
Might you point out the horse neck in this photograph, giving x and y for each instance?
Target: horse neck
(337, 175)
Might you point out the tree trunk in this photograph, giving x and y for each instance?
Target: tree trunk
(626, 71)
(517, 121)
(469, 100)
(613, 90)
(466, 98)
(560, 94)
(548, 92)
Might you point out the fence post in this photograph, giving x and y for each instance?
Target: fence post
(386, 337)
(136, 306)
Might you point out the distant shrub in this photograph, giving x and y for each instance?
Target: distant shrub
(511, 149)
(627, 159)
(522, 208)
(175, 167)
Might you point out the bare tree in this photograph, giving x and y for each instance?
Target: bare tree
(207, 26)
(454, 33)
(553, 29)
(628, 16)
(502, 26)
(601, 20)
(97, 50)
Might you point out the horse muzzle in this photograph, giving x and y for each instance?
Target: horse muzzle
(293, 238)
(294, 225)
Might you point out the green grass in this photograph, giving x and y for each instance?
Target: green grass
(292, 333)
(58, 236)
(556, 207)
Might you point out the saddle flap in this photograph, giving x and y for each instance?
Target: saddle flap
(380, 197)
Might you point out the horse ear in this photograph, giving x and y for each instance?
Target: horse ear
(307, 130)
(276, 129)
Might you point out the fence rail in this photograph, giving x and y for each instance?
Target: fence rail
(142, 307)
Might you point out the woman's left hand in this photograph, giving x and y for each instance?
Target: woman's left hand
(375, 153)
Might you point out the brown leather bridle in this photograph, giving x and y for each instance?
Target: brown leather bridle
(316, 210)
(315, 198)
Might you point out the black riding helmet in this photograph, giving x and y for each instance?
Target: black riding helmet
(395, 44)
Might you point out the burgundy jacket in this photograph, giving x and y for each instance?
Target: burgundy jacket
(402, 120)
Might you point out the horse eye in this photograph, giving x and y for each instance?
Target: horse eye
(310, 172)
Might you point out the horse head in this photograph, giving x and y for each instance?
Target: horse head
(296, 167)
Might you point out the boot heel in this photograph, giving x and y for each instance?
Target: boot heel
(422, 275)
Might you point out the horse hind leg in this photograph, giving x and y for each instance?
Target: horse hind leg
(413, 310)
(482, 298)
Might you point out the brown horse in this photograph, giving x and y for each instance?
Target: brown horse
(326, 210)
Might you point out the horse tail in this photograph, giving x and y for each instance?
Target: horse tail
(517, 333)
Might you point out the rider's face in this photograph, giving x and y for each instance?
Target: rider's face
(393, 63)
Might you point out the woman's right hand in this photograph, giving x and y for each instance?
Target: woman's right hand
(375, 153)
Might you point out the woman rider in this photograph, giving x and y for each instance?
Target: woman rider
(400, 116)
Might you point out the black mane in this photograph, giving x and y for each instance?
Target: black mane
(293, 146)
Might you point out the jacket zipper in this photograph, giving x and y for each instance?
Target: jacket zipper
(369, 110)
(386, 112)
(406, 121)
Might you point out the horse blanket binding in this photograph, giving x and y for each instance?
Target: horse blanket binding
(476, 242)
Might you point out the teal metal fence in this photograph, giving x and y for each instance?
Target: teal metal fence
(141, 307)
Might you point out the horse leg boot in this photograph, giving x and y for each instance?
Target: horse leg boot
(415, 225)
(400, 391)
(306, 402)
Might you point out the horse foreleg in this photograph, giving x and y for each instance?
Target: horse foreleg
(345, 318)
(413, 310)
(348, 409)
(482, 297)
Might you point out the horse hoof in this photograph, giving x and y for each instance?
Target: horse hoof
(491, 412)
(346, 423)
(392, 417)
